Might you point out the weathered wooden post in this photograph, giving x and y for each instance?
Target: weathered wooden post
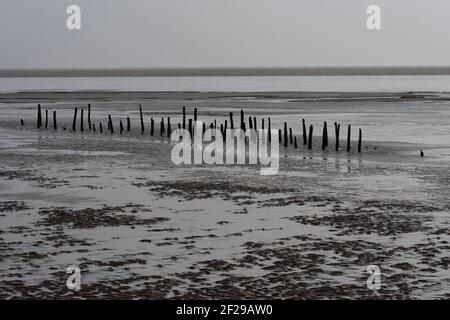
(285, 135)
(46, 119)
(142, 119)
(74, 122)
(89, 116)
(121, 126)
(250, 123)
(195, 114)
(337, 129)
(215, 124)
(231, 121)
(39, 117)
(128, 124)
(305, 137)
(93, 127)
(291, 140)
(262, 123)
(152, 127)
(310, 137)
(326, 133)
(190, 127)
(279, 136)
(111, 127)
(255, 124)
(55, 126)
(203, 128)
(360, 141)
(270, 128)
(169, 127)
(81, 121)
(21, 122)
(295, 142)
(242, 120)
(101, 128)
(161, 127)
(184, 117)
(348, 137)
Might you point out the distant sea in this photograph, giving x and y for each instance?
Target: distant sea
(226, 80)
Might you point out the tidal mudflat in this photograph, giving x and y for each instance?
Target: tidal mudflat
(140, 227)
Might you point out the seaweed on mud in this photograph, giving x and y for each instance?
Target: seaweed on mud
(12, 206)
(190, 190)
(90, 218)
(386, 224)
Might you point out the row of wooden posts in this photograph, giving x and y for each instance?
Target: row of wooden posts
(289, 139)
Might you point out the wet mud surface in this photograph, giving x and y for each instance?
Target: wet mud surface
(140, 227)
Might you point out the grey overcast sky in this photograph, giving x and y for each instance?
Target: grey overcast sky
(223, 33)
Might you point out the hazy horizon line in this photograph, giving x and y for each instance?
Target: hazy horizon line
(224, 71)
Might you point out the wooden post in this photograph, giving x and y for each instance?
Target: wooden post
(231, 121)
(204, 128)
(89, 116)
(262, 123)
(55, 126)
(46, 119)
(242, 120)
(161, 127)
(305, 137)
(169, 128)
(195, 114)
(81, 121)
(142, 120)
(285, 135)
(337, 129)
(290, 136)
(215, 124)
(74, 122)
(93, 127)
(360, 140)
(255, 124)
(250, 122)
(279, 136)
(326, 133)
(39, 117)
(190, 127)
(310, 137)
(111, 127)
(270, 128)
(184, 117)
(152, 127)
(121, 126)
(128, 124)
(295, 142)
(348, 137)
(101, 128)
(21, 122)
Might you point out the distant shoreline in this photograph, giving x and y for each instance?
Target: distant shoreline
(53, 96)
(226, 72)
